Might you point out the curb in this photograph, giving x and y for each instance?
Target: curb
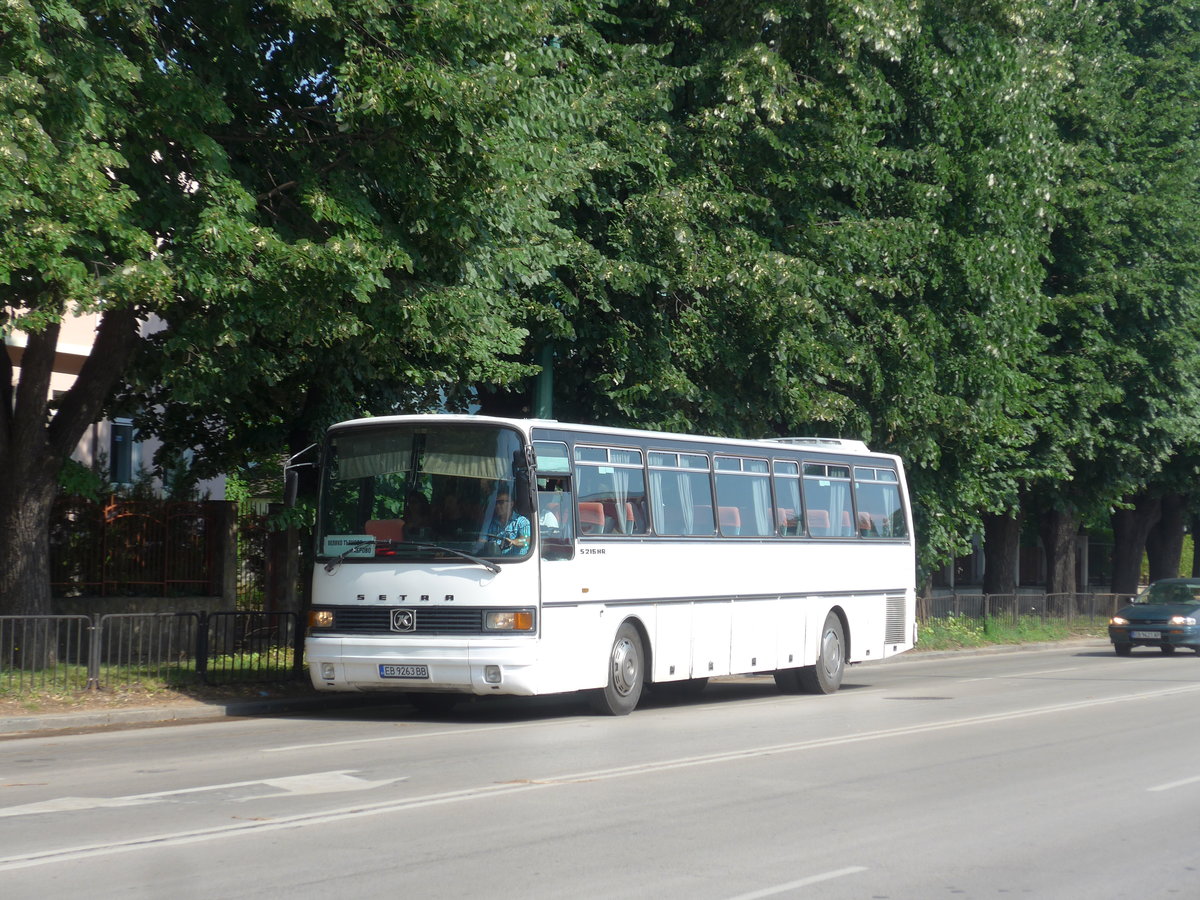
(57, 723)
(993, 649)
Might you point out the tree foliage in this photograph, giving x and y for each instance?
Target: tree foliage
(961, 231)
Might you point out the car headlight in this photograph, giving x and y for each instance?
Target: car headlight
(1117, 620)
(1182, 620)
(509, 620)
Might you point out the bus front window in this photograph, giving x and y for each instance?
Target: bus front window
(403, 490)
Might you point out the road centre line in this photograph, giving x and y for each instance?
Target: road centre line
(43, 857)
(802, 883)
(1174, 784)
(1021, 674)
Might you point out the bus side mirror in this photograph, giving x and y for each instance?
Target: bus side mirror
(524, 485)
(291, 476)
(291, 487)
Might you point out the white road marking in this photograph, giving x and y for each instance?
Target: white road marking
(1174, 784)
(37, 858)
(400, 737)
(803, 882)
(314, 783)
(1020, 675)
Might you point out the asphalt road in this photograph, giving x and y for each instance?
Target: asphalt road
(1057, 773)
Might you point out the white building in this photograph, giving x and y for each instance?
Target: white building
(112, 442)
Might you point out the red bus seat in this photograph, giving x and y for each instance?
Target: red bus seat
(591, 517)
(385, 529)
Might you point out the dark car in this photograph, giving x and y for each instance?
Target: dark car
(1163, 616)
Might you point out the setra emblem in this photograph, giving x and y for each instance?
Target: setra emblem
(403, 620)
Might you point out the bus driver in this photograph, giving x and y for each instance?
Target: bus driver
(509, 530)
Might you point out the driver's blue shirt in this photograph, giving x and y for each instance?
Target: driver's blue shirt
(513, 536)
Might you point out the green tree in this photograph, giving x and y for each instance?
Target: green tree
(846, 239)
(1122, 374)
(295, 209)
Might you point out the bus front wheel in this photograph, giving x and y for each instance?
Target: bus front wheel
(826, 676)
(626, 674)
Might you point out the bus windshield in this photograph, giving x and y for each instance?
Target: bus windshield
(422, 490)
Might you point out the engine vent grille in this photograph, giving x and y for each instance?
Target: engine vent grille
(895, 632)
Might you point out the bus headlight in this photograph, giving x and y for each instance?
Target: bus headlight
(320, 618)
(508, 620)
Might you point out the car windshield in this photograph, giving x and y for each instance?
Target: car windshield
(1171, 592)
(423, 490)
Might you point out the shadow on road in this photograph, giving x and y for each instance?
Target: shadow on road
(508, 709)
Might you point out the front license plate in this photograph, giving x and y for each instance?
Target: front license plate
(1145, 635)
(388, 670)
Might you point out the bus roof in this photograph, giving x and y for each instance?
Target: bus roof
(833, 445)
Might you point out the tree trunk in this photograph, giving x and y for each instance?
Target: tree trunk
(1164, 544)
(1130, 529)
(1195, 528)
(25, 509)
(1057, 528)
(25, 546)
(34, 445)
(1002, 548)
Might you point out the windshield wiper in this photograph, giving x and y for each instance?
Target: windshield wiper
(420, 545)
(337, 560)
(487, 564)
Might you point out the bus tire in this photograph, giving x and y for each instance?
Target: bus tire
(826, 676)
(626, 674)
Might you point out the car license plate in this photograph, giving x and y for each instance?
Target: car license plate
(388, 670)
(1145, 635)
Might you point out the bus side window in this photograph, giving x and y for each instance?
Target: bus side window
(877, 497)
(611, 490)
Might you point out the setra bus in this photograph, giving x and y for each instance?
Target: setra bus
(465, 555)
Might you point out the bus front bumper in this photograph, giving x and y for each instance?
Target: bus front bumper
(477, 666)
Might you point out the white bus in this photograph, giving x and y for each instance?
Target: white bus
(466, 555)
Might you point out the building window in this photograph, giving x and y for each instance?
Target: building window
(121, 451)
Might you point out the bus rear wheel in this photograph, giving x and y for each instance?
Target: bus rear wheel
(826, 676)
(626, 675)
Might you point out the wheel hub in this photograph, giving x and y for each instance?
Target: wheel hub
(624, 667)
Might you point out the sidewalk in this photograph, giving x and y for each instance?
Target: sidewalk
(178, 710)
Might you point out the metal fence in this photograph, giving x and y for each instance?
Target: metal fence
(138, 547)
(1014, 607)
(74, 653)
